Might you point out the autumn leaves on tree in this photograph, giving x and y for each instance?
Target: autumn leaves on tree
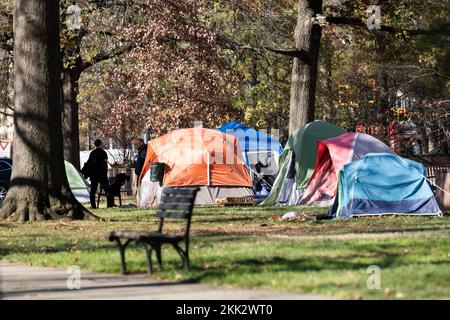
(176, 72)
(157, 65)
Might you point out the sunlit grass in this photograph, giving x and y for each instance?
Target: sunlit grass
(249, 247)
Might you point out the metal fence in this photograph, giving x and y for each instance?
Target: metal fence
(431, 172)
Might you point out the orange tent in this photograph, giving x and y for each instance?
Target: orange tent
(198, 157)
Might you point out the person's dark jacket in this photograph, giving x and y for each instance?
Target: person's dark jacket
(98, 163)
(142, 153)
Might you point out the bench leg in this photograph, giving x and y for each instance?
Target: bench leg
(186, 263)
(122, 247)
(158, 256)
(148, 251)
(184, 256)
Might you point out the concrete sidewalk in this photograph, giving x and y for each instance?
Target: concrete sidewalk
(24, 282)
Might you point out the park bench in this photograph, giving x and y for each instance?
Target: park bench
(175, 203)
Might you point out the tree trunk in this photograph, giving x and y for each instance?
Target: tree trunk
(304, 71)
(39, 188)
(71, 131)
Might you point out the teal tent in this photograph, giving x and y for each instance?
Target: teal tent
(383, 183)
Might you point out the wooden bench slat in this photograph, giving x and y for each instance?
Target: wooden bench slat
(146, 236)
(176, 191)
(169, 237)
(173, 214)
(175, 206)
(176, 199)
(134, 235)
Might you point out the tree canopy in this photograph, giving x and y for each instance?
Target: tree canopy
(151, 66)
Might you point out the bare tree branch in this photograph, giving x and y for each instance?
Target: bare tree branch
(6, 114)
(7, 15)
(103, 56)
(292, 52)
(443, 29)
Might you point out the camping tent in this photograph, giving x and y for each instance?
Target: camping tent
(256, 145)
(77, 184)
(332, 154)
(260, 151)
(196, 157)
(383, 183)
(297, 162)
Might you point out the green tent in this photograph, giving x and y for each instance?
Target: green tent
(76, 181)
(77, 184)
(298, 160)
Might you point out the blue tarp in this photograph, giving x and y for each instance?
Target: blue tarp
(251, 139)
(383, 183)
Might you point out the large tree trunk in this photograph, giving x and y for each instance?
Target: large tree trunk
(70, 121)
(39, 189)
(304, 70)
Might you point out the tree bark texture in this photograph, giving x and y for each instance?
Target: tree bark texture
(70, 122)
(304, 71)
(39, 189)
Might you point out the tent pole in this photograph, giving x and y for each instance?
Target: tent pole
(207, 170)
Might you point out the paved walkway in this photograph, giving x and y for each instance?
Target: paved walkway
(24, 282)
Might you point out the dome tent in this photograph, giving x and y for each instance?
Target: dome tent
(77, 184)
(251, 140)
(383, 183)
(196, 157)
(332, 154)
(297, 162)
(260, 151)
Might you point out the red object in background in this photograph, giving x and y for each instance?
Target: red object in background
(371, 129)
(4, 144)
(393, 132)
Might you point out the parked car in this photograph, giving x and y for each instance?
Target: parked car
(5, 177)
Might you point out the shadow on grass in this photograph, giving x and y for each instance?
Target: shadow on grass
(145, 284)
(68, 247)
(279, 264)
(401, 230)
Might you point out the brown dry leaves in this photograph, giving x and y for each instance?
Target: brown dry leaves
(175, 75)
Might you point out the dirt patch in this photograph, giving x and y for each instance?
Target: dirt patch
(319, 231)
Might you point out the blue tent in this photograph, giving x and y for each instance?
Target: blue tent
(383, 183)
(260, 151)
(251, 139)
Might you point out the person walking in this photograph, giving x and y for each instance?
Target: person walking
(98, 172)
(140, 159)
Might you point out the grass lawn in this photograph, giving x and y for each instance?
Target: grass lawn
(247, 247)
